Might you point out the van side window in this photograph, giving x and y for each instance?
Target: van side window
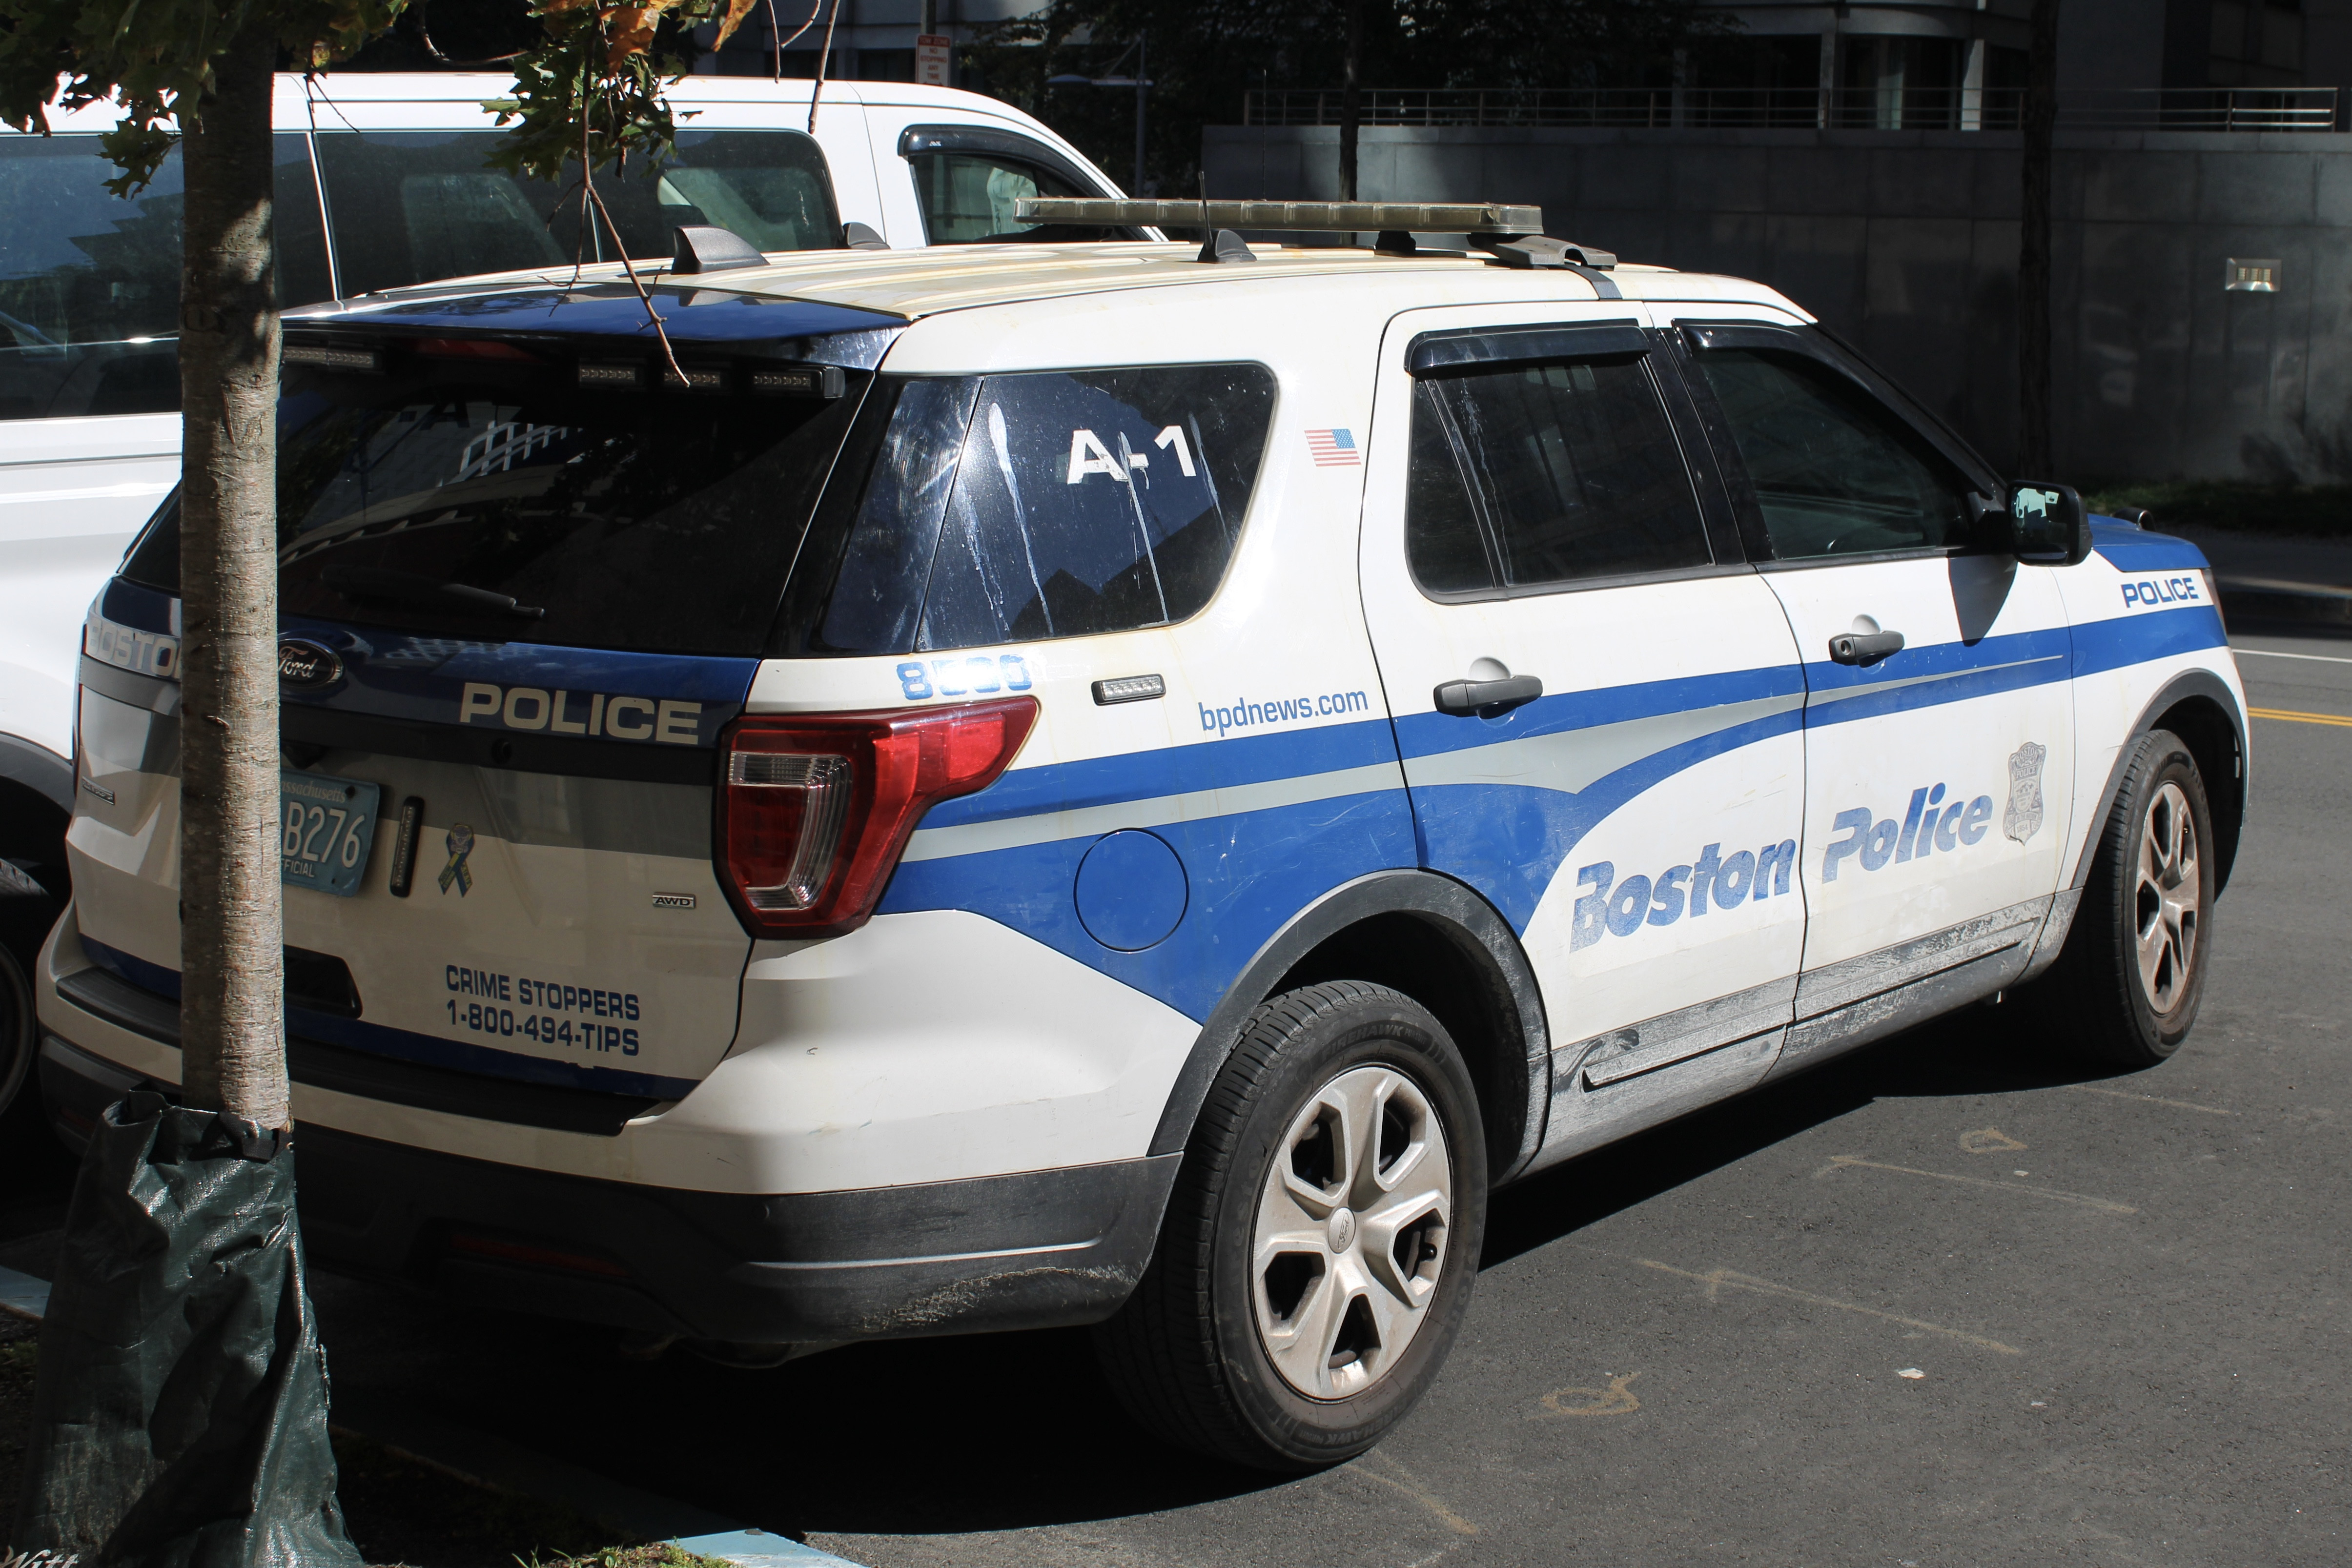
(1835, 471)
(967, 197)
(1529, 476)
(1091, 501)
(90, 283)
(411, 206)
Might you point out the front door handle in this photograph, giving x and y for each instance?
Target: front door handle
(1864, 647)
(1487, 698)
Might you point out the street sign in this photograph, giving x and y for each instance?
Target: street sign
(932, 59)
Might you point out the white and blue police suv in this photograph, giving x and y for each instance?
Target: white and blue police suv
(1099, 783)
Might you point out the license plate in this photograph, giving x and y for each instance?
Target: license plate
(326, 826)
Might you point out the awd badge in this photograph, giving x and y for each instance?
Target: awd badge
(307, 667)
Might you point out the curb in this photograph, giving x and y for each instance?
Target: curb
(2275, 599)
(493, 1462)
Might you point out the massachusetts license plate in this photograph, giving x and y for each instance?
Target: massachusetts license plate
(326, 826)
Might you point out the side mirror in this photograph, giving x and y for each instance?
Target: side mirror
(2046, 525)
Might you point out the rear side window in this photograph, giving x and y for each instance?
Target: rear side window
(1835, 471)
(1023, 507)
(411, 206)
(90, 282)
(1536, 475)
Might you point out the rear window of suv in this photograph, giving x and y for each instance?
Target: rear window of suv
(1038, 505)
(523, 508)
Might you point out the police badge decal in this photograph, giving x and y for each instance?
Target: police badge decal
(2023, 820)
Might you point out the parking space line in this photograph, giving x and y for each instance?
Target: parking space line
(2274, 654)
(1716, 1280)
(1404, 1481)
(2107, 1206)
(2151, 1099)
(2292, 717)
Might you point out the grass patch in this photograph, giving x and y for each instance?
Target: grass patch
(2302, 511)
(662, 1554)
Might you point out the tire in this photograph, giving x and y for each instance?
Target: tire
(2127, 985)
(1294, 1357)
(19, 1039)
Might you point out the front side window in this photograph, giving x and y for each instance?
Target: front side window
(1023, 507)
(967, 197)
(413, 206)
(90, 281)
(1835, 471)
(1535, 476)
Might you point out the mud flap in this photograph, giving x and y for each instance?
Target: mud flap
(179, 1417)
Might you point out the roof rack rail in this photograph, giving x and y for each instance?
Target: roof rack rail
(1511, 235)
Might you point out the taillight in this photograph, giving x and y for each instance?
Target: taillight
(815, 810)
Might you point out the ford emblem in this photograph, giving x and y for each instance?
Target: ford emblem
(305, 666)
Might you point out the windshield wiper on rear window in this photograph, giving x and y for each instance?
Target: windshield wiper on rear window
(365, 582)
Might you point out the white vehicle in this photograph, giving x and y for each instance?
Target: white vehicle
(1079, 783)
(380, 183)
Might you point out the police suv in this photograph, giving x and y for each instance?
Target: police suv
(1119, 783)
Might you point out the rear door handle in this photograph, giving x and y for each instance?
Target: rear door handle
(1487, 698)
(1864, 647)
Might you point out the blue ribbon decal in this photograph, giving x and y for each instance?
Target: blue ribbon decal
(461, 844)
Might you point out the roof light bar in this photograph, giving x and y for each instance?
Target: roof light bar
(1332, 217)
(368, 361)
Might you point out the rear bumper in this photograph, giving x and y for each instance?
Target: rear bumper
(1036, 1250)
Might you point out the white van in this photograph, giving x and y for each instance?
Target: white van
(380, 183)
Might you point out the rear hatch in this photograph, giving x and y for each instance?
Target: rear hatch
(524, 586)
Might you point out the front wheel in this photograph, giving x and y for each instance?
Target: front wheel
(2132, 974)
(1320, 1247)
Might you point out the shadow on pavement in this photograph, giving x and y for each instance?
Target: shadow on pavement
(927, 1436)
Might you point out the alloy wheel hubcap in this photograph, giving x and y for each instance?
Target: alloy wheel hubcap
(2165, 897)
(1352, 1232)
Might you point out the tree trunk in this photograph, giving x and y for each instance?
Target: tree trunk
(232, 1006)
(2040, 118)
(1351, 103)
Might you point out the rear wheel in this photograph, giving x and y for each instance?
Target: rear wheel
(2132, 975)
(1319, 1251)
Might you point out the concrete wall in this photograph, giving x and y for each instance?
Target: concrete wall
(1906, 244)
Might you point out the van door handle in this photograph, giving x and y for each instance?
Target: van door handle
(1487, 698)
(1864, 647)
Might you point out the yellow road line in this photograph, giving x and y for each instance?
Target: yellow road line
(1717, 1279)
(2334, 719)
(2052, 1193)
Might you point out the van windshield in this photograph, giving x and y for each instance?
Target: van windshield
(525, 510)
(412, 207)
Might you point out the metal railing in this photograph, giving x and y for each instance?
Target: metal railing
(2223, 109)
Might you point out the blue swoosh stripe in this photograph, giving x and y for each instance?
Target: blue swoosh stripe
(1431, 734)
(141, 609)
(403, 1045)
(2103, 645)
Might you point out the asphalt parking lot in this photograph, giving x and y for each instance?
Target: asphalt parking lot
(1952, 1301)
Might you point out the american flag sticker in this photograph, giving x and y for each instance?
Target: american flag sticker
(1333, 448)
